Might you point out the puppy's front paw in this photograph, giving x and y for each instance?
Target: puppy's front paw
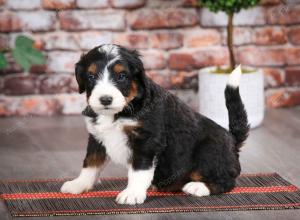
(75, 186)
(131, 197)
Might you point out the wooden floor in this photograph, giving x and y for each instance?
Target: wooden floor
(33, 147)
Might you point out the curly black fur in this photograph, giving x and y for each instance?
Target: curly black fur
(180, 141)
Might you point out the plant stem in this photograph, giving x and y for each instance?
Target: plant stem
(230, 40)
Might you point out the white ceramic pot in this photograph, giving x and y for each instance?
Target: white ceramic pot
(212, 100)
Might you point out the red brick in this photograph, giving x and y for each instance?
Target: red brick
(241, 36)
(38, 43)
(73, 86)
(92, 4)
(23, 4)
(270, 2)
(59, 4)
(294, 35)
(55, 83)
(42, 105)
(166, 40)
(71, 103)
(127, 4)
(37, 21)
(38, 69)
(164, 4)
(162, 18)
(270, 36)
(20, 85)
(255, 56)
(90, 39)
(4, 41)
(132, 40)
(181, 60)
(250, 17)
(12, 67)
(292, 56)
(273, 77)
(9, 21)
(28, 105)
(283, 98)
(1, 85)
(202, 38)
(190, 3)
(60, 41)
(292, 76)
(197, 59)
(62, 62)
(27, 21)
(283, 14)
(211, 57)
(87, 20)
(75, 41)
(162, 78)
(184, 80)
(153, 59)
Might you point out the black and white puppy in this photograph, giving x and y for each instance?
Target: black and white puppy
(163, 142)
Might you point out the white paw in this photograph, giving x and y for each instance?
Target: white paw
(75, 186)
(131, 197)
(196, 189)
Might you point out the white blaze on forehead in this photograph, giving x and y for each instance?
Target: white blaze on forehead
(105, 76)
(105, 87)
(109, 49)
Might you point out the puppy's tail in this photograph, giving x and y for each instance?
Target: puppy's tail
(238, 122)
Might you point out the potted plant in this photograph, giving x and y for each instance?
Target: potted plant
(212, 80)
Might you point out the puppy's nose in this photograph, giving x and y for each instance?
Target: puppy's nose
(106, 100)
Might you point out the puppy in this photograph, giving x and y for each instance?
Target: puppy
(156, 136)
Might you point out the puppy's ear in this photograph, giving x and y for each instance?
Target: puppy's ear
(139, 72)
(136, 62)
(79, 73)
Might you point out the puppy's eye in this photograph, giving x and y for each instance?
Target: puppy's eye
(91, 77)
(122, 76)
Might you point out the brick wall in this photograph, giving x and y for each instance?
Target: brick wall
(174, 37)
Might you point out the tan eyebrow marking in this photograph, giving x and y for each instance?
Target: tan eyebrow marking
(92, 68)
(118, 68)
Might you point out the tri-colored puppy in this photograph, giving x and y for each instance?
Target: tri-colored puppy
(161, 140)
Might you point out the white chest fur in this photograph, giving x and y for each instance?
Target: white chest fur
(112, 136)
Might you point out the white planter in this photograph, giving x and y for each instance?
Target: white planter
(212, 100)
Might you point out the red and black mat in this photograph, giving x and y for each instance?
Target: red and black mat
(42, 198)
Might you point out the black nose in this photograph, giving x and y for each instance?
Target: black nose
(106, 100)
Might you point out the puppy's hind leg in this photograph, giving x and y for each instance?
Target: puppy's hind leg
(196, 189)
(95, 157)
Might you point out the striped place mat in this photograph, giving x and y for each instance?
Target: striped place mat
(42, 198)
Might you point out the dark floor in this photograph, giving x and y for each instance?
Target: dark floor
(33, 147)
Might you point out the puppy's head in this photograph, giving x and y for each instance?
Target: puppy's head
(111, 76)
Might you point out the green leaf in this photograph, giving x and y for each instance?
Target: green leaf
(228, 6)
(24, 42)
(21, 59)
(3, 61)
(34, 56)
(25, 54)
